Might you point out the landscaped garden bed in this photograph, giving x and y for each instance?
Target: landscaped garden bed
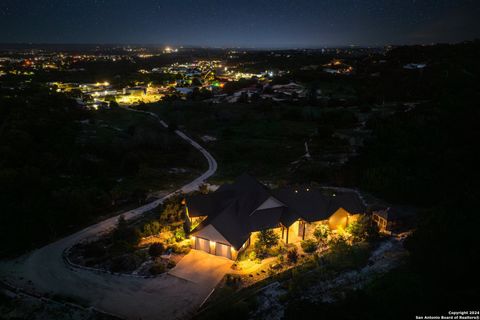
(298, 264)
(146, 247)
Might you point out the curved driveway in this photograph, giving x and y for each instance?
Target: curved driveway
(164, 297)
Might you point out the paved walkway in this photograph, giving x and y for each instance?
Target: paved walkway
(167, 297)
(202, 268)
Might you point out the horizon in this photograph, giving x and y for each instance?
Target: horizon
(229, 24)
(187, 46)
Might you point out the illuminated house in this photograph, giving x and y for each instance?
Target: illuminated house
(226, 221)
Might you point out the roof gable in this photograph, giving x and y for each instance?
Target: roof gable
(212, 234)
(270, 203)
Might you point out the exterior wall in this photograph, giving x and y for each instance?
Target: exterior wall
(310, 228)
(338, 220)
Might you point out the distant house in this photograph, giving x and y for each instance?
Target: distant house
(135, 91)
(394, 219)
(413, 66)
(228, 220)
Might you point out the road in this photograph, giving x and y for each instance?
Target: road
(165, 297)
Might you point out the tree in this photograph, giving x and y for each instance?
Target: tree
(125, 233)
(363, 229)
(268, 238)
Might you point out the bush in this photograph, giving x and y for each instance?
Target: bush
(309, 246)
(292, 255)
(266, 240)
(180, 234)
(157, 269)
(322, 232)
(179, 249)
(252, 255)
(344, 257)
(363, 229)
(232, 280)
(151, 228)
(156, 249)
(280, 258)
(171, 264)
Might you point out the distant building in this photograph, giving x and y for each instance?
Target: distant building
(394, 219)
(413, 66)
(135, 91)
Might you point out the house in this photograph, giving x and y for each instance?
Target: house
(228, 220)
(394, 219)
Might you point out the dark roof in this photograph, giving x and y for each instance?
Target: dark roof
(309, 204)
(349, 201)
(231, 209)
(312, 205)
(231, 214)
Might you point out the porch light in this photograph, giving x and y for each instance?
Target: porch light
(192, 238)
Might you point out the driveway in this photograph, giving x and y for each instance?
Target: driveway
(43, 271)
(202, 268)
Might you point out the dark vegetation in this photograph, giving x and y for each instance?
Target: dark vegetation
(62, 167)
(425, 156)
(123, 251)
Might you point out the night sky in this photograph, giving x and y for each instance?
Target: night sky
(247, 23)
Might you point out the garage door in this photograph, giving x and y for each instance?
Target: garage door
(202, 244)
(223, 250)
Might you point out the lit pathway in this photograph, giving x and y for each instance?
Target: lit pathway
(164, 297)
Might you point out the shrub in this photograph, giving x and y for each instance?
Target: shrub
(322, 232)
(252, 256)
(157, 268)
(363, 229)
(180, 234)
(280, 258)
(172, 209)
(309, 246)
(232, 280)
(266, 240)
(292, 255)
(156, 249)
(151, 228)
(171, 264)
